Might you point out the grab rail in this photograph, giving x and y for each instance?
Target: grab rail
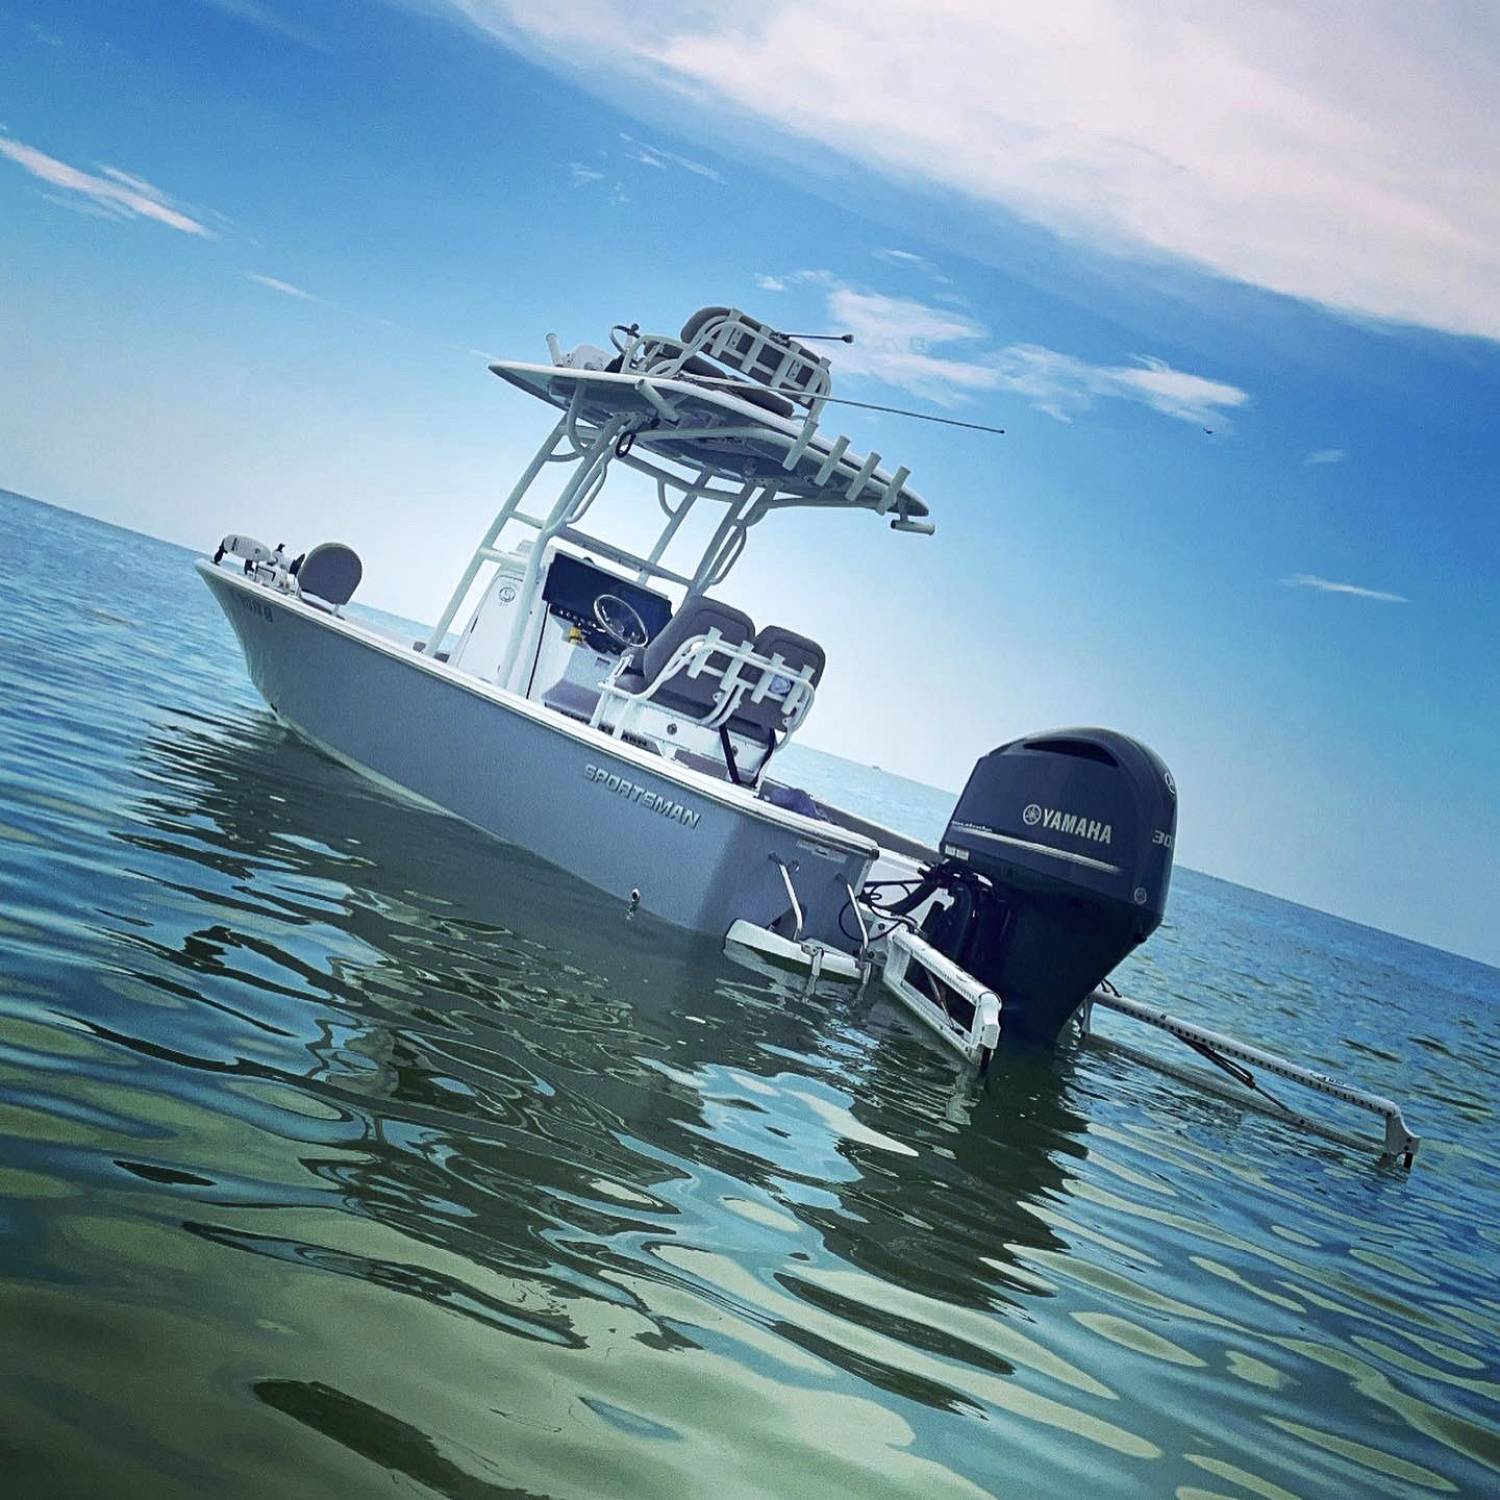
(791, 890)
(737, 684)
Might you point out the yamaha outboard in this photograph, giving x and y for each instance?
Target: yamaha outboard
(1058, 858)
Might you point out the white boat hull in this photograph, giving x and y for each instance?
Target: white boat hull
(696, 852)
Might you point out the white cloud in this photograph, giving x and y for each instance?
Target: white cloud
(275, 284)
(770, 283)
(895, 339)
(909, 260)
(947, 356)
(1325, 456)
(1063, 385)
(265, 18)
(581, 175)
(134, 183)
(84, 206)
(114, 194)
(655, 156)
(1328, 586)
(1346, 155)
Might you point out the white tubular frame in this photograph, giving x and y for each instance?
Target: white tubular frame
(742, 344)
(737, 685)
(781, 365)
(1399, 1143)
(973, 1042)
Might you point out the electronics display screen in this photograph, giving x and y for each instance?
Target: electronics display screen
(572, 586)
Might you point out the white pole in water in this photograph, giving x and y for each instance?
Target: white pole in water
(1400, 1143)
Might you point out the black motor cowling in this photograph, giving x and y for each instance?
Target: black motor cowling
(1057, 862)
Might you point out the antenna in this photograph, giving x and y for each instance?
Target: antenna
(895, 411)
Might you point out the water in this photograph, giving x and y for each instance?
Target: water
(343, 1152)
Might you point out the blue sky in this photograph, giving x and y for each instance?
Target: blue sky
(253, 256)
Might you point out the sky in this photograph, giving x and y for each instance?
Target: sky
(1229, 282)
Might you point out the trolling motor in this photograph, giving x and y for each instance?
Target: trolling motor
(1057, 861)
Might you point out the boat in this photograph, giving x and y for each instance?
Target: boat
(588, 694)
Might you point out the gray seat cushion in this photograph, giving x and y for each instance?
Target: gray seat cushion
(695, 364)
(700, 320)
(692, 696)
(756, 349)
(332, 572)
(798, 652)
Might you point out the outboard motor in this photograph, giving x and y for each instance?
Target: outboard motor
(1058, 858)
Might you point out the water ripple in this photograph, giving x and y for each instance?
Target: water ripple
(340, 1147)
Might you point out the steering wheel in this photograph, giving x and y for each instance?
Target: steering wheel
(619, 621)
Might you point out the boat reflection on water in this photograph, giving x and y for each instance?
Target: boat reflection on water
(344, 1146)
(531, 1023)
(423, 1089)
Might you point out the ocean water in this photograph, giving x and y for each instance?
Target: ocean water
(344, 1152)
